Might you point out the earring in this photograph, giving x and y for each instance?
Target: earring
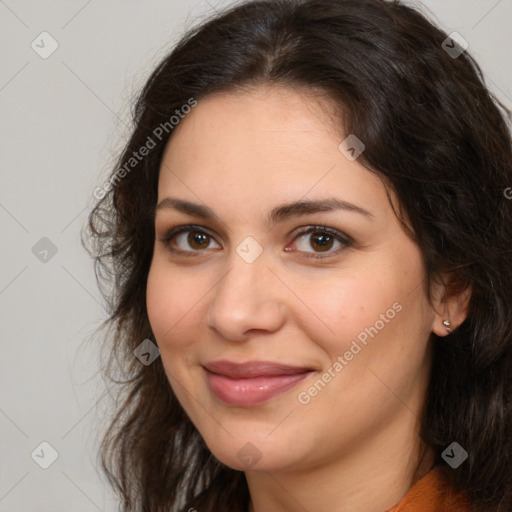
(447, 324)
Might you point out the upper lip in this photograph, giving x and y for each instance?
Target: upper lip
(253, 369)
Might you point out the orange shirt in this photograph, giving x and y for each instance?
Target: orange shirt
(432, 494)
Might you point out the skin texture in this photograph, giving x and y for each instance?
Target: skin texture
(355, 443)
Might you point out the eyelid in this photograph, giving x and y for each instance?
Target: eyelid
(344, 239)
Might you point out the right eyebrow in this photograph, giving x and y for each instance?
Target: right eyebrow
(188, 208)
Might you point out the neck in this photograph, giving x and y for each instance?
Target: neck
(373, 477)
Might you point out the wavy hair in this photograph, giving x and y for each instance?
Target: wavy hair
(432, 130)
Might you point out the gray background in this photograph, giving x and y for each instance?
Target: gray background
(63, 121)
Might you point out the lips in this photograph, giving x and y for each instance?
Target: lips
(252, 369)
(252, 382)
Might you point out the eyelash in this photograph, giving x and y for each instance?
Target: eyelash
(174, 232)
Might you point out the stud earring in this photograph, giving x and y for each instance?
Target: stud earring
(447, 324)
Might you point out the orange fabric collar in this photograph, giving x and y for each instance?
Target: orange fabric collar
(432, 494)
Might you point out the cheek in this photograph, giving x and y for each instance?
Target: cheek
(380, 306)
(174, 306)
(344, 307)
(163, 304)
(158, 298)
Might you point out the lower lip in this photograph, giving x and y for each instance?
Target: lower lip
(252, 391)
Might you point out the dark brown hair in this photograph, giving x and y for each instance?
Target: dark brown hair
(431, 129)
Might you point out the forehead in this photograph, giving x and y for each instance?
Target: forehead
(262, 147)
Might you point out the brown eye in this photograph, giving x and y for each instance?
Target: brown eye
(187, 240)
(321, 240)
(198, 239)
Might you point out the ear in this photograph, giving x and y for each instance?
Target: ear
(450, 298)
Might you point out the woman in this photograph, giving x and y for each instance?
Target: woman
(310, 221)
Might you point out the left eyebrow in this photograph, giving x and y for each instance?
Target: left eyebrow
(298, 208)
(278, 214)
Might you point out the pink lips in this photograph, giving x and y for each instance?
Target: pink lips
(252, 382)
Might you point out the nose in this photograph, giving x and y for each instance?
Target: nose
(247, 298)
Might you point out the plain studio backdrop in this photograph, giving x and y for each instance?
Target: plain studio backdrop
(70, 70)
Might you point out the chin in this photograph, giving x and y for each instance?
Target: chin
(250, 456)
(250, 448)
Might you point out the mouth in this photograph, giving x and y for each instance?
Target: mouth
(253, 382)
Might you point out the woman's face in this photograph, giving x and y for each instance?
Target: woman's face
(344, 305)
